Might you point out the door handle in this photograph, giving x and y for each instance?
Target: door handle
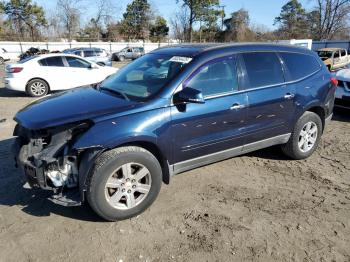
(288, 96)
(237, 106)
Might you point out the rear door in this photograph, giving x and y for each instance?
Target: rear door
(216, 125)
(90, 55)
(54, 72)
(271, 101)
(128, 53)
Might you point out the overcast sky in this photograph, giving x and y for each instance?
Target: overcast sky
(261, 11)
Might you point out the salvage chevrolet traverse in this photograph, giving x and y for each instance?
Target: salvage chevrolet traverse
(172, 110)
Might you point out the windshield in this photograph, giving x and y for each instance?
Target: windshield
(145, 76)
(325, 54)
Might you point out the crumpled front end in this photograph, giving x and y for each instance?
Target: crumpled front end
(47, 158)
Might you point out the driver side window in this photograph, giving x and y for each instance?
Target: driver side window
(76, 62)
(216, 77)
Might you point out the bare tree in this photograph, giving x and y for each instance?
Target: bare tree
(69, 12)
(102, 17)
(179, 24)
(237, 25)
(329, 18)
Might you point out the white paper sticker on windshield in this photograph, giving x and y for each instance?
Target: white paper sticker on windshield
(181, 59)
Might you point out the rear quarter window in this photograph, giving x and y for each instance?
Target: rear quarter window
(299, 65)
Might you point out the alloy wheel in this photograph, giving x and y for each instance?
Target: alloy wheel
(38, 88)
(128, 186)
(308, 137)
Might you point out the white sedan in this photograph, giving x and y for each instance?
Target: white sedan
(38, 75)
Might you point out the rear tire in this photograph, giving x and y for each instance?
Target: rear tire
(121, 58)
(2, 60)
(305, 137)
(37, 88)
(124, 182)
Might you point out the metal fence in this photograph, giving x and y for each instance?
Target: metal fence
(16, 48)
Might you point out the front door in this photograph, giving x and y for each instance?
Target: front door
(80, 73)
(216, 125)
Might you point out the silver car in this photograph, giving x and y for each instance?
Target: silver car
(97, 55)
(128, 53)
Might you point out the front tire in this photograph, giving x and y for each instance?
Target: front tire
(124, 182)
(37, 88)
(2, 60)
(305, 137)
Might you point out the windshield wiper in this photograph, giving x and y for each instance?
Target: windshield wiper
(115, 91)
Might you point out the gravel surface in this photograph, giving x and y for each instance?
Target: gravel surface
(257, 207)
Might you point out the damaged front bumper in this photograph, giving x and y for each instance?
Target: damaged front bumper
(49, 161)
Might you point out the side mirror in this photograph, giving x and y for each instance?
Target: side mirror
(93, 66)
(188, 95)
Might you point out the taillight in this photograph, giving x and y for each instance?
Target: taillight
(14, 69)
(334, 81)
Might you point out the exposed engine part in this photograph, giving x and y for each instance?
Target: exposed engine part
(67, 175)
(46, 156)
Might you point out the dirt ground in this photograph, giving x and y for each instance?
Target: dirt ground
(257, 207)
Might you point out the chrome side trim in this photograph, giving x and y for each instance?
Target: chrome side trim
(228, 153)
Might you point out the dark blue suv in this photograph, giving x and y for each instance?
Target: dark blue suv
(174, 109)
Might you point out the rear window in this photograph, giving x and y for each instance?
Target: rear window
(27, 59)
(51, 61)
(299, 65)
(263, 69)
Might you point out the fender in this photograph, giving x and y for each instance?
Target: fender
(145, 126)
(140, 128)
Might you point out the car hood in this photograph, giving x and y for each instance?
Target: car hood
(71, 106)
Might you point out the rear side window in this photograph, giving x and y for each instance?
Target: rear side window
(51, 61)
(89, 53)
(299, 65)
(100, 52)
(215, 77)
(342, 52)
(263, 69)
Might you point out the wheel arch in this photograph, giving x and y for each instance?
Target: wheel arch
(39, 78)
(157, 152)
(89, 155)
(320, 111)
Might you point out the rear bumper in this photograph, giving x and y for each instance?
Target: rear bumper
(16, 84)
